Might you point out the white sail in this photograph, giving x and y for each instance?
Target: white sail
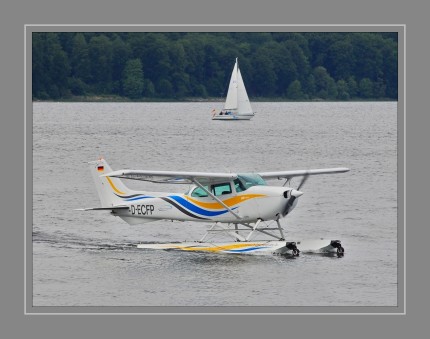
(231, 100)
(243, 104)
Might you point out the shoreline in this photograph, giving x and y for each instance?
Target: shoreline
(112, 99)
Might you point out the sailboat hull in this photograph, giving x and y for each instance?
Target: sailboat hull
(233, 117)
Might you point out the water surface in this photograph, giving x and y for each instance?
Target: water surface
(90, 259)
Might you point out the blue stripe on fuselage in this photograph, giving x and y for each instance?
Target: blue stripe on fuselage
(195, 208)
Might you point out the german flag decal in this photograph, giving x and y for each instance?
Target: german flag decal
(100, 168)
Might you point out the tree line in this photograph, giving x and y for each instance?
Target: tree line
(178, 66)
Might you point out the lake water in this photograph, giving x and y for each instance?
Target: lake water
(90, 258)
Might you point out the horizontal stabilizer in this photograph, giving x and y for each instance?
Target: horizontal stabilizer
(103, 208)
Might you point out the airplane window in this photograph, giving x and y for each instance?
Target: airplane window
(239, 186)
(199, 193)
(250, 179)
(221, 189)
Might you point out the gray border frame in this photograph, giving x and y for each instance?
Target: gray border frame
(401, 172)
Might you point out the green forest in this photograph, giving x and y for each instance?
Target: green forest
(190, 66)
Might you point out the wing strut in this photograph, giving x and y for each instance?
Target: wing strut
(213, 196)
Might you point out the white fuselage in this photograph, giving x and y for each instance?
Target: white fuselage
(257, 202)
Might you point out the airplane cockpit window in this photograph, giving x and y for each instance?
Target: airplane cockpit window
(220, 189)
(250, 179)
(199, 192)
(239, 186)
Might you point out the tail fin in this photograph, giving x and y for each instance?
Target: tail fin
(110, 190)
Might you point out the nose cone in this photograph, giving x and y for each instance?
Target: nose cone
(296, 193)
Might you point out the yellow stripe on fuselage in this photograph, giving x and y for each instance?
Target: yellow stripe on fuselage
(218, 248)
(229, 202)
(113, 186)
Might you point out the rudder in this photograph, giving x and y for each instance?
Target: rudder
(110, 190)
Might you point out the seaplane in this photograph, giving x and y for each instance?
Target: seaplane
(241, 207)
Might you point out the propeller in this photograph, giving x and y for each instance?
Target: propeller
(305, 177)
(293, 195)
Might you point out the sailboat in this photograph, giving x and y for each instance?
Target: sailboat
(237, 105)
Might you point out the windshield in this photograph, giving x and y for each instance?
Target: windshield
(250, 179)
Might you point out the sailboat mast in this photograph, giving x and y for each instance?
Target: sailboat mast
(237, 67)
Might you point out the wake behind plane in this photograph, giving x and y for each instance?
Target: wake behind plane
(239, 205)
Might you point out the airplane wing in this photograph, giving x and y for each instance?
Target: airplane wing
(172, 177)
(300, 173)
